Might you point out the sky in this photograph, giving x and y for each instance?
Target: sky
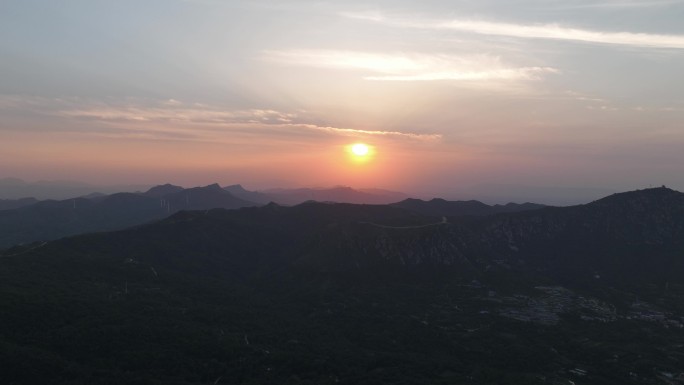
(454, 97)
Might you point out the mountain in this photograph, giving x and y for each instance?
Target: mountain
(162, 190)
(50, 219)
(441, 207)
(94, 195)
(204, 198)
(550, 195)
(14, 188)
(8, 204)
(634, 235)
(252, 196)
(392, 196)
(340, 194)
(356, 294)
(47, 220)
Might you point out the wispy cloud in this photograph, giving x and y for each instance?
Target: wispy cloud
(526, 73)
(176, 120)
(658, 109)
(411, 67)
(537, 31)
(612, 4)
(356, 132)
(179, 113)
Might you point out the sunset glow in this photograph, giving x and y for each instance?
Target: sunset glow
(342, 191)
(360, 149)
(360, 154)
(529, 97)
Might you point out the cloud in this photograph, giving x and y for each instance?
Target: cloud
(526, 73)
(625, 4)
(175, 120)
(536, 31)
(355, 132)
(172, 111)
(411, 67)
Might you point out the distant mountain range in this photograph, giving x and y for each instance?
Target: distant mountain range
(12, 189)
(15, 188)
(337, 293)
(50, 219)
(339, 194)
(28, 220)
(441, 207)
(8, 204)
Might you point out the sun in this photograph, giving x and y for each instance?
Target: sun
(360, 153)
(360, 149)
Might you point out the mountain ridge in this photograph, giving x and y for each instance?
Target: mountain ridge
(52, 219)
(439, 206)
(660, 225)
(336, 293)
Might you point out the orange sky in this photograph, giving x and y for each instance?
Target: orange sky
(451, 94)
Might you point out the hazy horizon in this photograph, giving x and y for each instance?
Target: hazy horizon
(460, 99)
(15, 188)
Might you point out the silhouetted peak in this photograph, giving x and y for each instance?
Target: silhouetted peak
(93, 195)
(410, 200)
(511, 204)
(121, 198)
(272, 206)
(235, 187)
(213, 186)
(161, 190)
(206, 197)
(442, 207)
(645, 196)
